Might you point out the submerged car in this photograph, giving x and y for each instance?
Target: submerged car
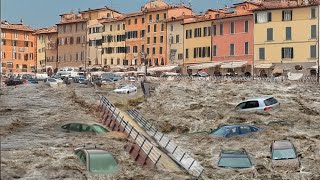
(82, 127)
(284, 155)
(237, 159)
(258, 104)
(234, 130)
(13, 82)
(53, 82)
(126, 89)
(97, 160)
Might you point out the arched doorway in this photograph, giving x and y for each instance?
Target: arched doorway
(162, 61)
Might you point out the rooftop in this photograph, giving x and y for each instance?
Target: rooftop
(106, 8)
(270, 5)
(18, 27)
(52, 29)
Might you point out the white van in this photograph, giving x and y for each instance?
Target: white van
(42, 76)
(68, 72)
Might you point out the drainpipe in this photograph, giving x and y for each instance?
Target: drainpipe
(318, 76)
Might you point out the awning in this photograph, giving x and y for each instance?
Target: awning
(314, 67)
(162, 68)
(232, 65)
(204, 65)
(263, 66)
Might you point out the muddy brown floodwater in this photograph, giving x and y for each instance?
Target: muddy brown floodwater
(34, 147)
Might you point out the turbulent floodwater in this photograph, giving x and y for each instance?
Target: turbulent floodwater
(185, 109)
(34, 147)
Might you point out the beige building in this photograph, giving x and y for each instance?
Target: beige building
(175, 39)
(94, 33)
(114, 48)
(72, 41)
(46, 37)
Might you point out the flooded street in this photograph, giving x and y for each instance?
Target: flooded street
(33, 146)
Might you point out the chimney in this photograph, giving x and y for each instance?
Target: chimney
(21, 21)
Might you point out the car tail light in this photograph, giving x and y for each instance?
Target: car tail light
(267, 108)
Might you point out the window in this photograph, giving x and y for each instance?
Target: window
(263, 17)
(149, 28)
(155, 28)
(189, 34)
(162, 27)
(232, 28)
(207, 31)
(118, 27)
(153, 50)
(231, 49)
(135, 21)
(158, 17)
(187, 53)
(313, 13)
(111, 61)
(270, 34)
(129, 22)
(261, 54)
(123, 26)
(148, 51)
(221, 29)
(287, 53)
(313, 31)
(118, 61)
(77, 56)
(246, 48)
(313, 51)
(214, 30)
(161, 39)
(214, 50)
(180, 56)
(288, 33)
(154, 40)
(148, 40)
(246, 26)
(177, 38)
(142, 48)
(160, 50)
(135, 49)
(287, 15)
(3, 42)
(142, 19)
(142, 33)
(171, 27)
(165, 16)
(14, 43)
(150, 17)
(110, 27)
(197, 32)
(14, 54)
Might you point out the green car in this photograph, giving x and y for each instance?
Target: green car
(82, 127)
(97, 160)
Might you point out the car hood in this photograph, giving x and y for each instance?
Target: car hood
(286, 163)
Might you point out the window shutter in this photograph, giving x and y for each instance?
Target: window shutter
(291, 53)
(291, 15)
(256, 18)
(282, 15)
(282, 53)
(194, 52)
(269, 16)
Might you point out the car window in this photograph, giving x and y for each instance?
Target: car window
(251, 104)
(253, 129)
(235, 162)
(74, 127)
(83, 158)
(86, 128)
(245, 129)
(278, 154)
(66, 126)
(233, 132)
(270, 101)
(220, 131)
(102, 163)
(241, 105)
(98, 129)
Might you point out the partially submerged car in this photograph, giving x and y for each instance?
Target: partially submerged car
(234, 130)
(84, 127)
(97, 160)
(53, 82)
(126, 89)
(237, 159)
(284, 155)
(258, 104)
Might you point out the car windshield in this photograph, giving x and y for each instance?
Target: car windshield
(98, 129)
(235, 162)
(270, 101)
(220, 131)
(283, 154)
(102, 163)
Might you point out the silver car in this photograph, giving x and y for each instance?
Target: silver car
(258, 104)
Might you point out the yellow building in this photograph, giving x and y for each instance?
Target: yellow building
(197, 40)
(285, 35)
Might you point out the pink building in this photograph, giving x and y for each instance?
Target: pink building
(232, 39)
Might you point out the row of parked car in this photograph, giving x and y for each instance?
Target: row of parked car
(283, 153)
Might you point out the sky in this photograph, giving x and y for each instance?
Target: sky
(45, 13)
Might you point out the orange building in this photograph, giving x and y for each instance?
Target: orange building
(156, 13)
(18, 49)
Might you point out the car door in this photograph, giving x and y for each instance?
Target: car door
(244, 130)
(251, 106)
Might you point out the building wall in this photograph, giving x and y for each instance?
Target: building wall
(93, 48)
(175, 50)
(41, 45)
(51, 50)
(139, 41)
(301, 37)
(193, 42)
(113, 58)
(19, 58)
(238, 38)
(67, 52)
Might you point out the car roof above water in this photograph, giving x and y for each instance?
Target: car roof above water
(258, 98)
(233, 153)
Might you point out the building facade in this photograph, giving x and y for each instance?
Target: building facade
(94, 33)
(18, 48)
(72, 31)
(52, 50)
(285, 35)
(113, 42)
(232, 39)
(156, 13)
